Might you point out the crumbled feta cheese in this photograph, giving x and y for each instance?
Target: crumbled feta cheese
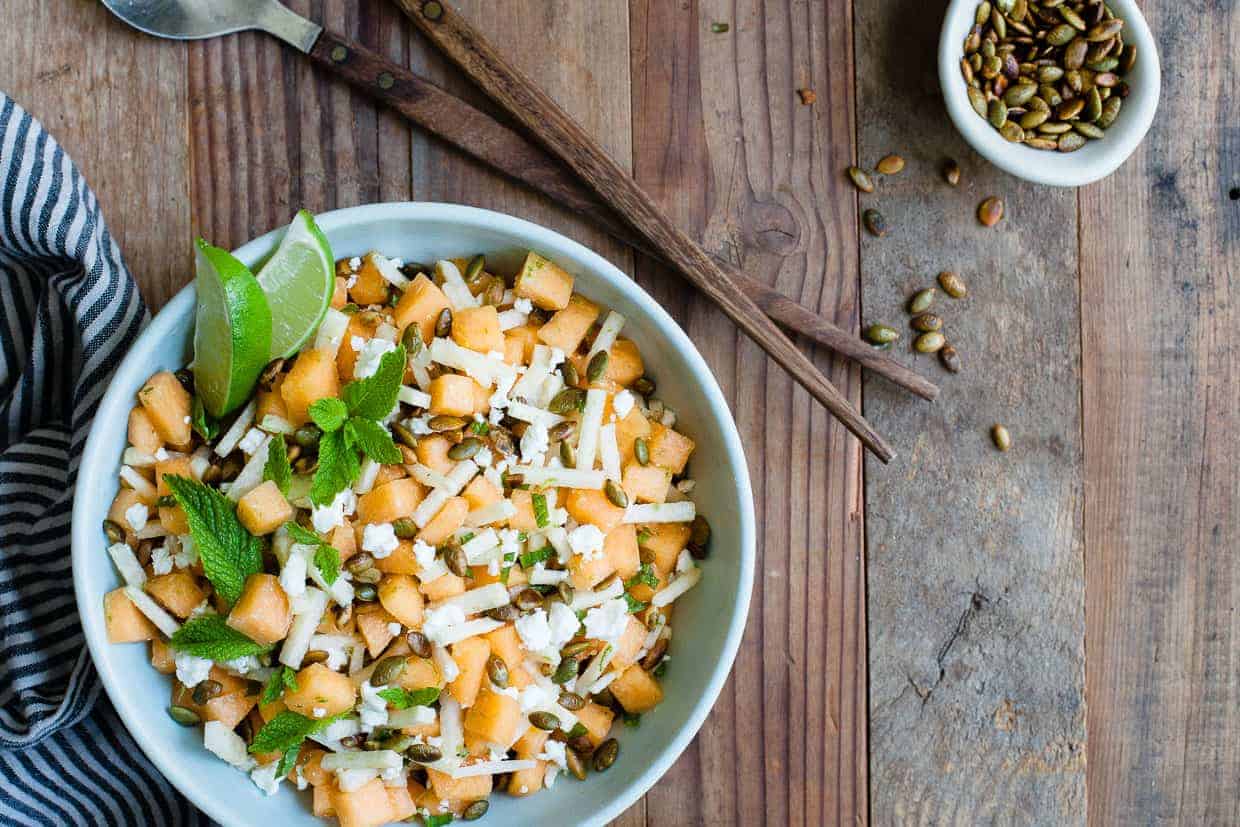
(267, 777)
(394, 628)
(293, 575)
(319, 712)
(553, 754)
(422, 715)
(684, 562)
(534, 631)
(563, 624)
(302, 783)
(523, 305)
(534, 443)
(188, 554)
(419, 425)
(379, 539)
(161, 561)
(242, 665)
(373, 709)
(438, 621)
(350, 282)
(355, 263)
(187, 420)
(161, 453)
(483, 458)
(369, 356)
(251, 442)
(327, 517)
(136, 515)
(608, 622)
(496, 414)
(424, 553)
(586, 540)
(227, 745)
(622, 404)
(357, 342)
(191, 670)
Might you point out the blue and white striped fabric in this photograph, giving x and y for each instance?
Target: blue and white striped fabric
(68, 311)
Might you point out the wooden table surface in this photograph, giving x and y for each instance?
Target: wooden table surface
(950, 682)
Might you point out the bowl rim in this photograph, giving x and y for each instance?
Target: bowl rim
(1039, 166)
(96, 456)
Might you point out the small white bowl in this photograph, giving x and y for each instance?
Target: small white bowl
(1098, 158)
(709, 619)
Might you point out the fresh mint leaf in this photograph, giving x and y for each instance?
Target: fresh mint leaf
(480, 427)
(208, 636)
(404, 698)
(288, 760)
(228, 552)
(438, 821)
(302, 535)
(286, 731)
(277, 468)
(634, 604)
(338, 468)
(529, 559)
(539, 502)
(329, 414)
(372, 439)
(645, 574)
(375, 396)
(283, 678)
(202, 422)
(327, 561)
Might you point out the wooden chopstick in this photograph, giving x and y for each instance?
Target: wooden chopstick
(563, 137)
(508, 152)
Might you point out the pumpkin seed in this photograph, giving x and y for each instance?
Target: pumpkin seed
(977, 99)
(184, 716)
(565, 591)
(308, 435)
(388, 670)
(1106, 64)
(359, 562)
(879, 334)
(420, 644)
(116, 534)
(615, 494)
(1012, 132)
(1128, 58)
(951, 172)
(568, 457)
(562, 430)
(476, 810)
(1020, 94)
(890, 165)
(597, 368)
(1049, 73)
(641, 450)
(1055, 128)
(1089, 130)
(644, 385)
(990, 211)
(567, 670)
(574, 764)
(929, 342)
(997, 113)
(412, 339)
(1071, 141)
(921, 300)
(443, 324)
(454, 558)
(1105, 30)
(699, 538)
(1061, 35)
(655, 656)
(952, 284)
(404, 528)
(465, 449)
(861, 179)
(1110, 110)
(528, 600)
(567, 401)
(1040, 143)
(950, 358)
(424, 753)
(1072, 18)
(1001, 437)
(874, 222)
(568, 372)
(365, 593)
(504, 614)
(544, 720)
(982, 14)
(576, 648)
(205, 691)
(606, 754)
(371, 576)
(442, 423)
(269, 374)
(475, 267)
(571, 701)
(497, 671)
(927, 323)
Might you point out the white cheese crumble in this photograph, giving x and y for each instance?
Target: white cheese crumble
(136, 515)
(319, 712)
(267, 777)
(327, 517)
(608, 621)
(191, 670)
(355, 263)
(379, 539)
(534, 630)
(394, 628)
(227, 745)
(251, 441)
(161, 453)
(535, 697)
(293, 575)
(188, 554)
(534, 443)
(161, 561)
(439, 621)
(586, 540)
(424, 553)
(373, 709)
(562, 624)
(369, 357)
(523, 305)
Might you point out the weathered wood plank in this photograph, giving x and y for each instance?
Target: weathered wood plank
(975, 557)
(117, 107)
(1160, 255)
(723, 143)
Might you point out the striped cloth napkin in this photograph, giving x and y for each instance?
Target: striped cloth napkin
(68, 311)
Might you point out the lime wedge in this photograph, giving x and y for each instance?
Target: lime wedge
(298, 279)
(232, 334)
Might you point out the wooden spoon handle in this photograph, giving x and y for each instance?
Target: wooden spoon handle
(506, 151)
(564, 138)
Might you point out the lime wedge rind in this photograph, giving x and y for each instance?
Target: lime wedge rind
(299, 280)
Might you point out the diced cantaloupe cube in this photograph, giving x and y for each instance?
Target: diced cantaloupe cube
(529, 746)
(624, 363)
(665, 541)
(620, 547)
(390, 501)
(361, 326)
(471, 656)
(443, 587)
(628, 430)
(262, 612)
(311, 378)
(477, 328)
(432, 451)
(125, 499)
(263, 509)
(636, 690)
(646, 483)
(370, 287)
(310, 761)
(400, 596)
(524, 519)
(420, 673)
(343, 538)
(124, 622)
(400, 561)
(322, 804)
(544, 283)
(270, 402)
(320, 688)
(626, 647)
(373, 624)
(400, 803)
(421, 304)
(597, 721)
(367, 806)
(470, 788)
(585, 574)
(176, 591)
(569, 326)
(340, 295)
(452, 394)
(142, 433)
(230, 707)
(173, 520)
(519, 344)
(163, 659)
(669, 448)
(481, 492)
(587, 505)
(446, 522)
(172, 466)
(505, 643)
(494, 717)
(167, 403)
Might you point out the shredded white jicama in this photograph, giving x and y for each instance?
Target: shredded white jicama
(153, 611)
(474, 601)
(607, 333)
(127, 564)
(306, 619)
(677, 512)
(454, 286)
(560, 477)
(251, 475)
(492, 767)
(229, 441)
(140, 484)
(331, 331)
(679, 584)
(379, 759)
(591, 421)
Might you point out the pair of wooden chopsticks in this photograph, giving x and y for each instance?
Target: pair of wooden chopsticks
(746, 301)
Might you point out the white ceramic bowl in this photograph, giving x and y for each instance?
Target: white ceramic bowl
(709, 619)
(1097, 159)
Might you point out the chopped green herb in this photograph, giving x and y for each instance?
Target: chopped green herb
(661, 669)
(643, 536)
(529, 559)
(283, 678)
(438, 821)
(481, 428)
(632, 719)
(645, 575)
(327, 561)
(277, 469)
(540, 509)
(202, 422)
(404, 698)
(635, 605)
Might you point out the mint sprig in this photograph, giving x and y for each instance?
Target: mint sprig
(283, 678)
(405, 698)
(645, 574)
(326, 556)
(208, 636)
(277, 468)
(351, 426)
(286, 731)
(228, 552)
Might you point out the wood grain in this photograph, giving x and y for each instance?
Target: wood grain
(724, 146)
(116, 107)
(976, 589)
(1160, 256)
(565, 139)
